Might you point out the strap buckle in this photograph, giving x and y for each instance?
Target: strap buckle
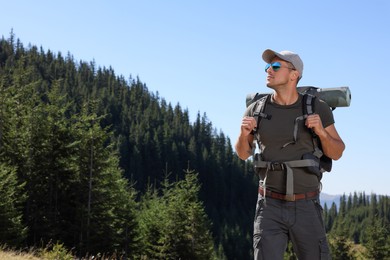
(276, 166)
(290, 197)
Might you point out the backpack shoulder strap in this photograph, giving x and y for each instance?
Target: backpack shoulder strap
(308, 104)
(308, 109)
(259, 108)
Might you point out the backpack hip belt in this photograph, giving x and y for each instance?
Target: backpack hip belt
(287, 168)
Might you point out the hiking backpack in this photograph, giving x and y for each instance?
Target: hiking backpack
(321, 163)
(316, 162)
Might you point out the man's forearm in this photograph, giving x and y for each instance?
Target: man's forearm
(332, 145)
(243, 147)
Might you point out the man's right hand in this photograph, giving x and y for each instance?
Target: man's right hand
(247, 125)
(244, 141)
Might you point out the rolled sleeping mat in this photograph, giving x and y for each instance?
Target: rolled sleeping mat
(334, 97)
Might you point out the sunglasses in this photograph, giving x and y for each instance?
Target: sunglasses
(276, 66)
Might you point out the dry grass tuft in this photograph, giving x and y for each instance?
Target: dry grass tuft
(8, 255)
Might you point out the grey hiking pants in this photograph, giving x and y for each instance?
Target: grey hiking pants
(277, 221)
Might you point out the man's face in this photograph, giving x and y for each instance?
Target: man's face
(278, 77)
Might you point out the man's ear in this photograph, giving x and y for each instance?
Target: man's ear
(295, 75)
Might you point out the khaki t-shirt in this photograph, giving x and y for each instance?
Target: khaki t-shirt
(276, 132)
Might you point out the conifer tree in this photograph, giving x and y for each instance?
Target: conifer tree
(175, 225)
(151, 216)
(12, 230)
(188, 231)
(106, 207)
(340, 248)
(378, 245)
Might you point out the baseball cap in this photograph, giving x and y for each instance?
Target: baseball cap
(289, 56)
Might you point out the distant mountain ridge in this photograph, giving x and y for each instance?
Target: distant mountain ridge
(328, 199)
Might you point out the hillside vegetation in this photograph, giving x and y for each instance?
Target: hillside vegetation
(98, 164)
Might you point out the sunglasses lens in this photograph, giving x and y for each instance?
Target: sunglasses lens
(276, 66)
(267, 67)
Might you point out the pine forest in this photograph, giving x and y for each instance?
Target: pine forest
(94, 164)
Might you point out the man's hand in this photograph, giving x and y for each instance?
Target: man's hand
(247, 125)
(245, 139)
(314, 122)
(331, 143)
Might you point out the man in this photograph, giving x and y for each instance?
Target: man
(288, 205)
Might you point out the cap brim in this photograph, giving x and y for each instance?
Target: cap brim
(268, 55)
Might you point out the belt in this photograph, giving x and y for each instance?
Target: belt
(293, 197)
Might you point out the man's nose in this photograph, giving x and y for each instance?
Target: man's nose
(270, 70)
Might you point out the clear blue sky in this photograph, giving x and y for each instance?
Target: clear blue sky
(206, 55)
